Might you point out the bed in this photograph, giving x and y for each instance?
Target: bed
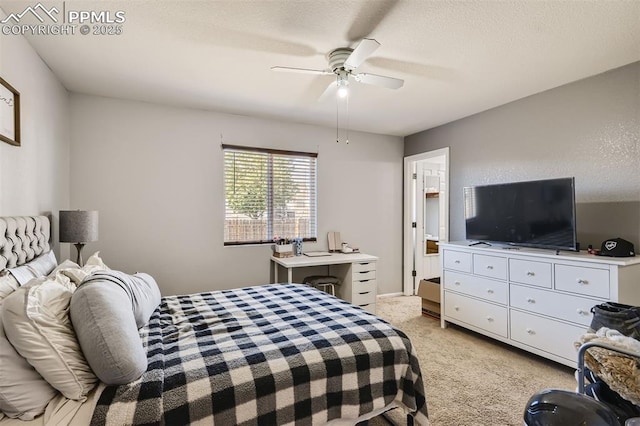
(271, 354)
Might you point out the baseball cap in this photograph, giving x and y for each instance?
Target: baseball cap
(617, 247)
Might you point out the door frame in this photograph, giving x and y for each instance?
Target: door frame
(410, 238)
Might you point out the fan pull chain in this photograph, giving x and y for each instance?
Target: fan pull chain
(348, 118)
(337, 122)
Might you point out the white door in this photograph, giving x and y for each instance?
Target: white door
(426, 219)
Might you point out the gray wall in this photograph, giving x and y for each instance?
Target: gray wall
(34, 177)
(589, 129)
(155, 175)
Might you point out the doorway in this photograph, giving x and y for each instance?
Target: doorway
(426, 215)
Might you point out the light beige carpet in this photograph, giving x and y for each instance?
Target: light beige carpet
(470, 379)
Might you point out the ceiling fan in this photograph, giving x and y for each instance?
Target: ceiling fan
(343, 62)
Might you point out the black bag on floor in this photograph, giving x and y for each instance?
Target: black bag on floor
(624, 318)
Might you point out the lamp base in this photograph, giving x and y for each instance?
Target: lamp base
(79, 247)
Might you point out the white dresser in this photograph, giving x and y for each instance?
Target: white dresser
(533, 299)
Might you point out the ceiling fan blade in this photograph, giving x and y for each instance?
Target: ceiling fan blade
(379, 80)
(302, 70)
(365, 48)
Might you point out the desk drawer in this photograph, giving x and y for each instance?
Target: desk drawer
(370, 307)
(363, 297)
(364, 267)
(364, 275)
(365, 286)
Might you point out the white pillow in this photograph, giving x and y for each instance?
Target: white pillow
(78, 274)
(38, 267)
(8, 284)
(37, 323)
(24, 394)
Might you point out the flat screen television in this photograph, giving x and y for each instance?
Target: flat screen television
(537, 213)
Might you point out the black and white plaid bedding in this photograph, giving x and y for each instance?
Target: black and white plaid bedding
(266, 355)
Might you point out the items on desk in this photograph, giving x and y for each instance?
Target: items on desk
(317, 253)
(297, 246)
(346, 248)
(334, 241)
(282, 248)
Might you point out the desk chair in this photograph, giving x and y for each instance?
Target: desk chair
(325, 283)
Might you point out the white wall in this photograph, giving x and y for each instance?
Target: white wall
(155, 175)
(34, 178)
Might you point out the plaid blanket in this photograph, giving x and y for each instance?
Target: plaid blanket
(268, 355)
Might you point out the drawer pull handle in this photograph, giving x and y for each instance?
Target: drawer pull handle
(364, 292)
(457, 261)
(364, 281)
(490, 319)
(530, 274)
(489, 267)
(457, 283)
(530, 331)
(457, 308)
(582, 312)
(582, 281)
(531, 300)
(490, 291)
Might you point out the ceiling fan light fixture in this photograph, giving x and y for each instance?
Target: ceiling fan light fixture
(343, 88)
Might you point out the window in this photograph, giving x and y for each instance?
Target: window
(269, 194)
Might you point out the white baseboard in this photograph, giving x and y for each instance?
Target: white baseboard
(390, 295)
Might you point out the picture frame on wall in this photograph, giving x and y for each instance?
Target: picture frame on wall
(9, 113)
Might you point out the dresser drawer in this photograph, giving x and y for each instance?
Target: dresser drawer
(583, 280)
(528, 272)
(363, 267)
(490, 266)
(458, 260)
(363, 297)
(563, 306)
(363, 275)
(484, 288)
(487, 316)
(545, 334)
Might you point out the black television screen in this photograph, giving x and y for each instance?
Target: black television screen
(535, 213)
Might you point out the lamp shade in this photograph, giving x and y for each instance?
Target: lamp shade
(78, 226)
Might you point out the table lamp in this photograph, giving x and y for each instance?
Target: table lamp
(78, 227)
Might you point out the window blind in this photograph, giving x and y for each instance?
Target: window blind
(269, 194)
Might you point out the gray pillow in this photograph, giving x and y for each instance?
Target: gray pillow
(106, 312)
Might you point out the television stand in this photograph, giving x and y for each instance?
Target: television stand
(532, 299)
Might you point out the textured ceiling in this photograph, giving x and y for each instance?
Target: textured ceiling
(457, 57)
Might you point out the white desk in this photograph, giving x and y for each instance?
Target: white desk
(356, 271)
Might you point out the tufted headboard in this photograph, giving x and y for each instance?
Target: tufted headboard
(23, 238)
